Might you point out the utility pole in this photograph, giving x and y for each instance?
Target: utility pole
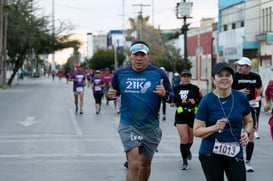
(123, 24)
(183, 11)
(141, 19)
(53, 33)
(123, 15)
(153, 20)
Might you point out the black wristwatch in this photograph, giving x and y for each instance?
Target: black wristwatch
(166, 95)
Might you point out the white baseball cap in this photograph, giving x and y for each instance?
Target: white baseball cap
(244, 61)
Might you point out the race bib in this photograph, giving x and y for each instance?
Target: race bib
(230, 149)
(97, 88)
(79, 89)
(254, 103)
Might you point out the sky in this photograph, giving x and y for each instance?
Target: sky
(101, 16)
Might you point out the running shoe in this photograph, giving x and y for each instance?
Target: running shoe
(256, 135)
(81, 112)
(164, 118)
(185, 166)
(249, 168)
(76, 110)
(98, 111)
(189, 157)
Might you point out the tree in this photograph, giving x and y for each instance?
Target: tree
(105, 58)
(30, 35)
(73, 60)
(161, 53)
(3, 40)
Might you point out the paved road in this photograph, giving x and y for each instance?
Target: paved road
(41, 139)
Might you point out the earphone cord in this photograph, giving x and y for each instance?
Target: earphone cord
(227, 117)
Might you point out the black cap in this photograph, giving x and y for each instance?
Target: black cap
(186, 72)
(220, 66)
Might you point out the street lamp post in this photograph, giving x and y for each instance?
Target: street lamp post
(116, 46)
(183, 11)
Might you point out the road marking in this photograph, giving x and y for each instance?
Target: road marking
(30, 120)
(75, 124)
(80, 155)
(54, 140)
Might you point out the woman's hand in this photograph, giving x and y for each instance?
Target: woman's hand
(220, 124)
(244, 138)
(172, 104)
(192, 101)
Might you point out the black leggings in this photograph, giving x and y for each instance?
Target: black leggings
(98, 98)
(214, 166)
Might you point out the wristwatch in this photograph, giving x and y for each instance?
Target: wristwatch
(166, 95)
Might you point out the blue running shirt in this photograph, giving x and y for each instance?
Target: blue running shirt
(210, 111)
(139, 104)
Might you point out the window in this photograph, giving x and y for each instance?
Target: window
(233, 26)
(263, 21)
(225, 28)
(233, 14)
(266, 19)
(270, 19)
(242, 24)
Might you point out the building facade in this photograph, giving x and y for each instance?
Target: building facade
(202, 52)
(245, 29)
(265, 37)
(94, 43)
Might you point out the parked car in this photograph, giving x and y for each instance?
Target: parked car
(24, 73)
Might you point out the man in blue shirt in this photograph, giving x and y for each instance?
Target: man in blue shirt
(141, 87)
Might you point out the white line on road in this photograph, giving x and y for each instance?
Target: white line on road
(75, 124)
(80, 155)
(111, 140)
